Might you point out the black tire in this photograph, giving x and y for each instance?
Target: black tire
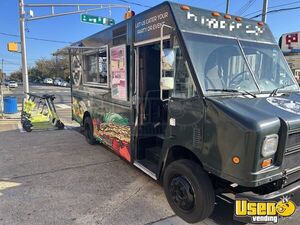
(189, 190)
(89, 131)
(27, 126)
(60, 125)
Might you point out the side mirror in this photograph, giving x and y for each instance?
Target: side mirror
(167, 83)
(168, 59)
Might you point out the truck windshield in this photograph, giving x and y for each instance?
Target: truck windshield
(226, 64)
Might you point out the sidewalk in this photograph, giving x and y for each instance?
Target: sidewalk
(12, 121)
(16, 116)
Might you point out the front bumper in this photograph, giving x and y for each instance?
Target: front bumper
(287, 190)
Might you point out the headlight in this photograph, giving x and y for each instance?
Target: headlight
(269, 146)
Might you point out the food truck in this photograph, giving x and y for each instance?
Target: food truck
(202, 102)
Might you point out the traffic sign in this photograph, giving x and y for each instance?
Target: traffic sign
(96, 19)
(290, 42)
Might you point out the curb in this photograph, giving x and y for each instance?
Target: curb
(10, 119)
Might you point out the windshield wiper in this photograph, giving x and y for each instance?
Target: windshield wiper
(243, 92)
(274, 92)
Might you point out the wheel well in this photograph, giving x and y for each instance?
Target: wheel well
(86, 114)
(179, 152)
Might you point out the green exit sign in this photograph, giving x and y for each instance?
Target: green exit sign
(96, 19)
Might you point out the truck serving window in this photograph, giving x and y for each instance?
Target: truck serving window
(95, 68)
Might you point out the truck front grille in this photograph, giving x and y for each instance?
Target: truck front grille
(293, 143)
(291, 159)
(293, 139)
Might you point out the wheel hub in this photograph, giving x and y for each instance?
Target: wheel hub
(182, 193)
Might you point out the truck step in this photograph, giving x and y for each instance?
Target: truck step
(153, 154)
(147, 167)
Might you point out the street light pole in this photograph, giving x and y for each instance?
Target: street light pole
(1, 90)
(2, 77)
(23, 47)
(264, 11)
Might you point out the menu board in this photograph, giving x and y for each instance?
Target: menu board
(118, 72)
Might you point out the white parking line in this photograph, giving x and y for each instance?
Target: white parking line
(63, 106)
(21, 128)
(49, 92)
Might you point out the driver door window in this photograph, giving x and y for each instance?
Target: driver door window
(184, 85)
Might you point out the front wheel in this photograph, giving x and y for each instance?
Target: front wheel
(60, 125)
(88, 131)
(189, 190)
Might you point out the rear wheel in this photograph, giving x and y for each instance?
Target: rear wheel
(60, 125)
(189, 190)
(27, 125)
(88, 131)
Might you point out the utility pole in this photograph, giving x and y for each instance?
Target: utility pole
(264, 11)
(23, 48)
(227, 6)
(2, 77)
(1, 90)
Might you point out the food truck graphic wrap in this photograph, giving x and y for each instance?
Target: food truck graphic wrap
(78, 109)
(113, 130)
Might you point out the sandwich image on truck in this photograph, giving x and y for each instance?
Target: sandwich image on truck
(202, 102)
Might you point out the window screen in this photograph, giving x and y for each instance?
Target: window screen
(95, 68)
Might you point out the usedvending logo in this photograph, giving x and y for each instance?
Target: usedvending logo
(285, 104)
(262, 212)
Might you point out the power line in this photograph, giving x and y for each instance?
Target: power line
(252, 2)
(15, 64)
(277, 10)
(36, 39)
(245, 7)
(272, 7)
(134, 3)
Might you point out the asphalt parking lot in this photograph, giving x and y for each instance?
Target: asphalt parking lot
(56, 178)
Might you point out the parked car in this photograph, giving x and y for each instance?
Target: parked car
(12, 84)
(6, 82)
(37, 81)
(48, 81)
(58, 81)
(65, 84)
